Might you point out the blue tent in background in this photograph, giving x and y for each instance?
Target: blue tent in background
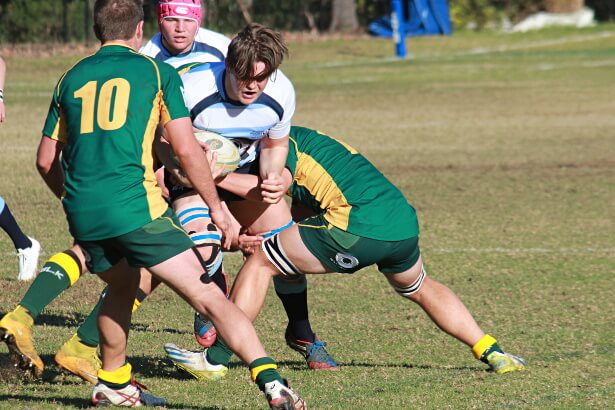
(427, 17)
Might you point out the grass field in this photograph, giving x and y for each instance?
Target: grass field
(504, 143)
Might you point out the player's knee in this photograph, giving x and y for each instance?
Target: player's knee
(207, 296)
(70, 261)
(412, 290)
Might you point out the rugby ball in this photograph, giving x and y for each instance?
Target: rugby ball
(227, 151)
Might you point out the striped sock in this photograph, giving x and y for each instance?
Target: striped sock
(263, 371)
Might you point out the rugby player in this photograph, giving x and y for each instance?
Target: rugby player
(28, 249)
(250, 101)
(115, 210)
(179, 42)
(350, 227)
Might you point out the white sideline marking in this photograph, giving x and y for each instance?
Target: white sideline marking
(525, 250)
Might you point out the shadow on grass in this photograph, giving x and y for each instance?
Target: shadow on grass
(300, 365)
(61, 401)
(53, 375)
(83, 403)
(50, 319)
(73, 320)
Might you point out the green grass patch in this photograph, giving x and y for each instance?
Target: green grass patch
(505, 145)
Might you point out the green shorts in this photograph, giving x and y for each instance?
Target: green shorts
(147, 246)
(344, 252)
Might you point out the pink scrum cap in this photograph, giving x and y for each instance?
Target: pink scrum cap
(188, 9)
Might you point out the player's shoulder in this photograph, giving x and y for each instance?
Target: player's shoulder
(279, 84)
(213, 38)
(153, 46)
(201, 71)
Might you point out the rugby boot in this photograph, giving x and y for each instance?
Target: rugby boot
(504, 362)
(281, 397)
(316, 355)
(79, 359)
(195, 363)
(16, 332)
(129, 396)
(204, 331)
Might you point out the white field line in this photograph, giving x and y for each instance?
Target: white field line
(475, 51)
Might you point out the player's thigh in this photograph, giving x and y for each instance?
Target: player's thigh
(407, 277)
(401, 263)
(192, 212)
(193, 215)
(157, 241)
(185, 274)
(259, 217)
(289, 244)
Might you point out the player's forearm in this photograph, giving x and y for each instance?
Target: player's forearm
(192, 160)
(2, 73)
(243, 185)
(54, 179)
(196, 167)
(273, 156)
(163, 150)
(48, 164)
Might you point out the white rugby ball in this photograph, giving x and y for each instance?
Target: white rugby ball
(227, 151)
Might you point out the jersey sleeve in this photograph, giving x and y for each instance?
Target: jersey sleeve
(55, 124)
(282, 128)
(173, 105)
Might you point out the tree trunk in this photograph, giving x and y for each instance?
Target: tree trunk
(245, 6)
(344, 16)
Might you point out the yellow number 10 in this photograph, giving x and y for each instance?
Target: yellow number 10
(114, 95)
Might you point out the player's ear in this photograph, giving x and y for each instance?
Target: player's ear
(139, 30)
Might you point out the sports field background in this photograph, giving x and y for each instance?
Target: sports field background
(505, 144)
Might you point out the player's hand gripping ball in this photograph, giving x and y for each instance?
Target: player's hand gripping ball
(226, 151)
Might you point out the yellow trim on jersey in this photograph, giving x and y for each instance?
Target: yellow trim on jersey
(157, 205)
(135, 305)
(118, 376)
(311, 175)
(59, 132)
(179, 228)
(185, 68)
(255, 372)
(69, 264)
(482, 345)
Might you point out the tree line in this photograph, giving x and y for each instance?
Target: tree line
(70, 20)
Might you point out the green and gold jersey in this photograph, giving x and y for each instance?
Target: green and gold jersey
(332, 177)
(105, 110)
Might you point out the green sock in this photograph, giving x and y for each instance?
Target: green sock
(263, 371)
(493, 348)
(88, 331)
(219, 353)
(59, 273)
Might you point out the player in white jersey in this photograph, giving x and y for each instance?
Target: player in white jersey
(181, 40)
(207, 96)
(250, 101)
